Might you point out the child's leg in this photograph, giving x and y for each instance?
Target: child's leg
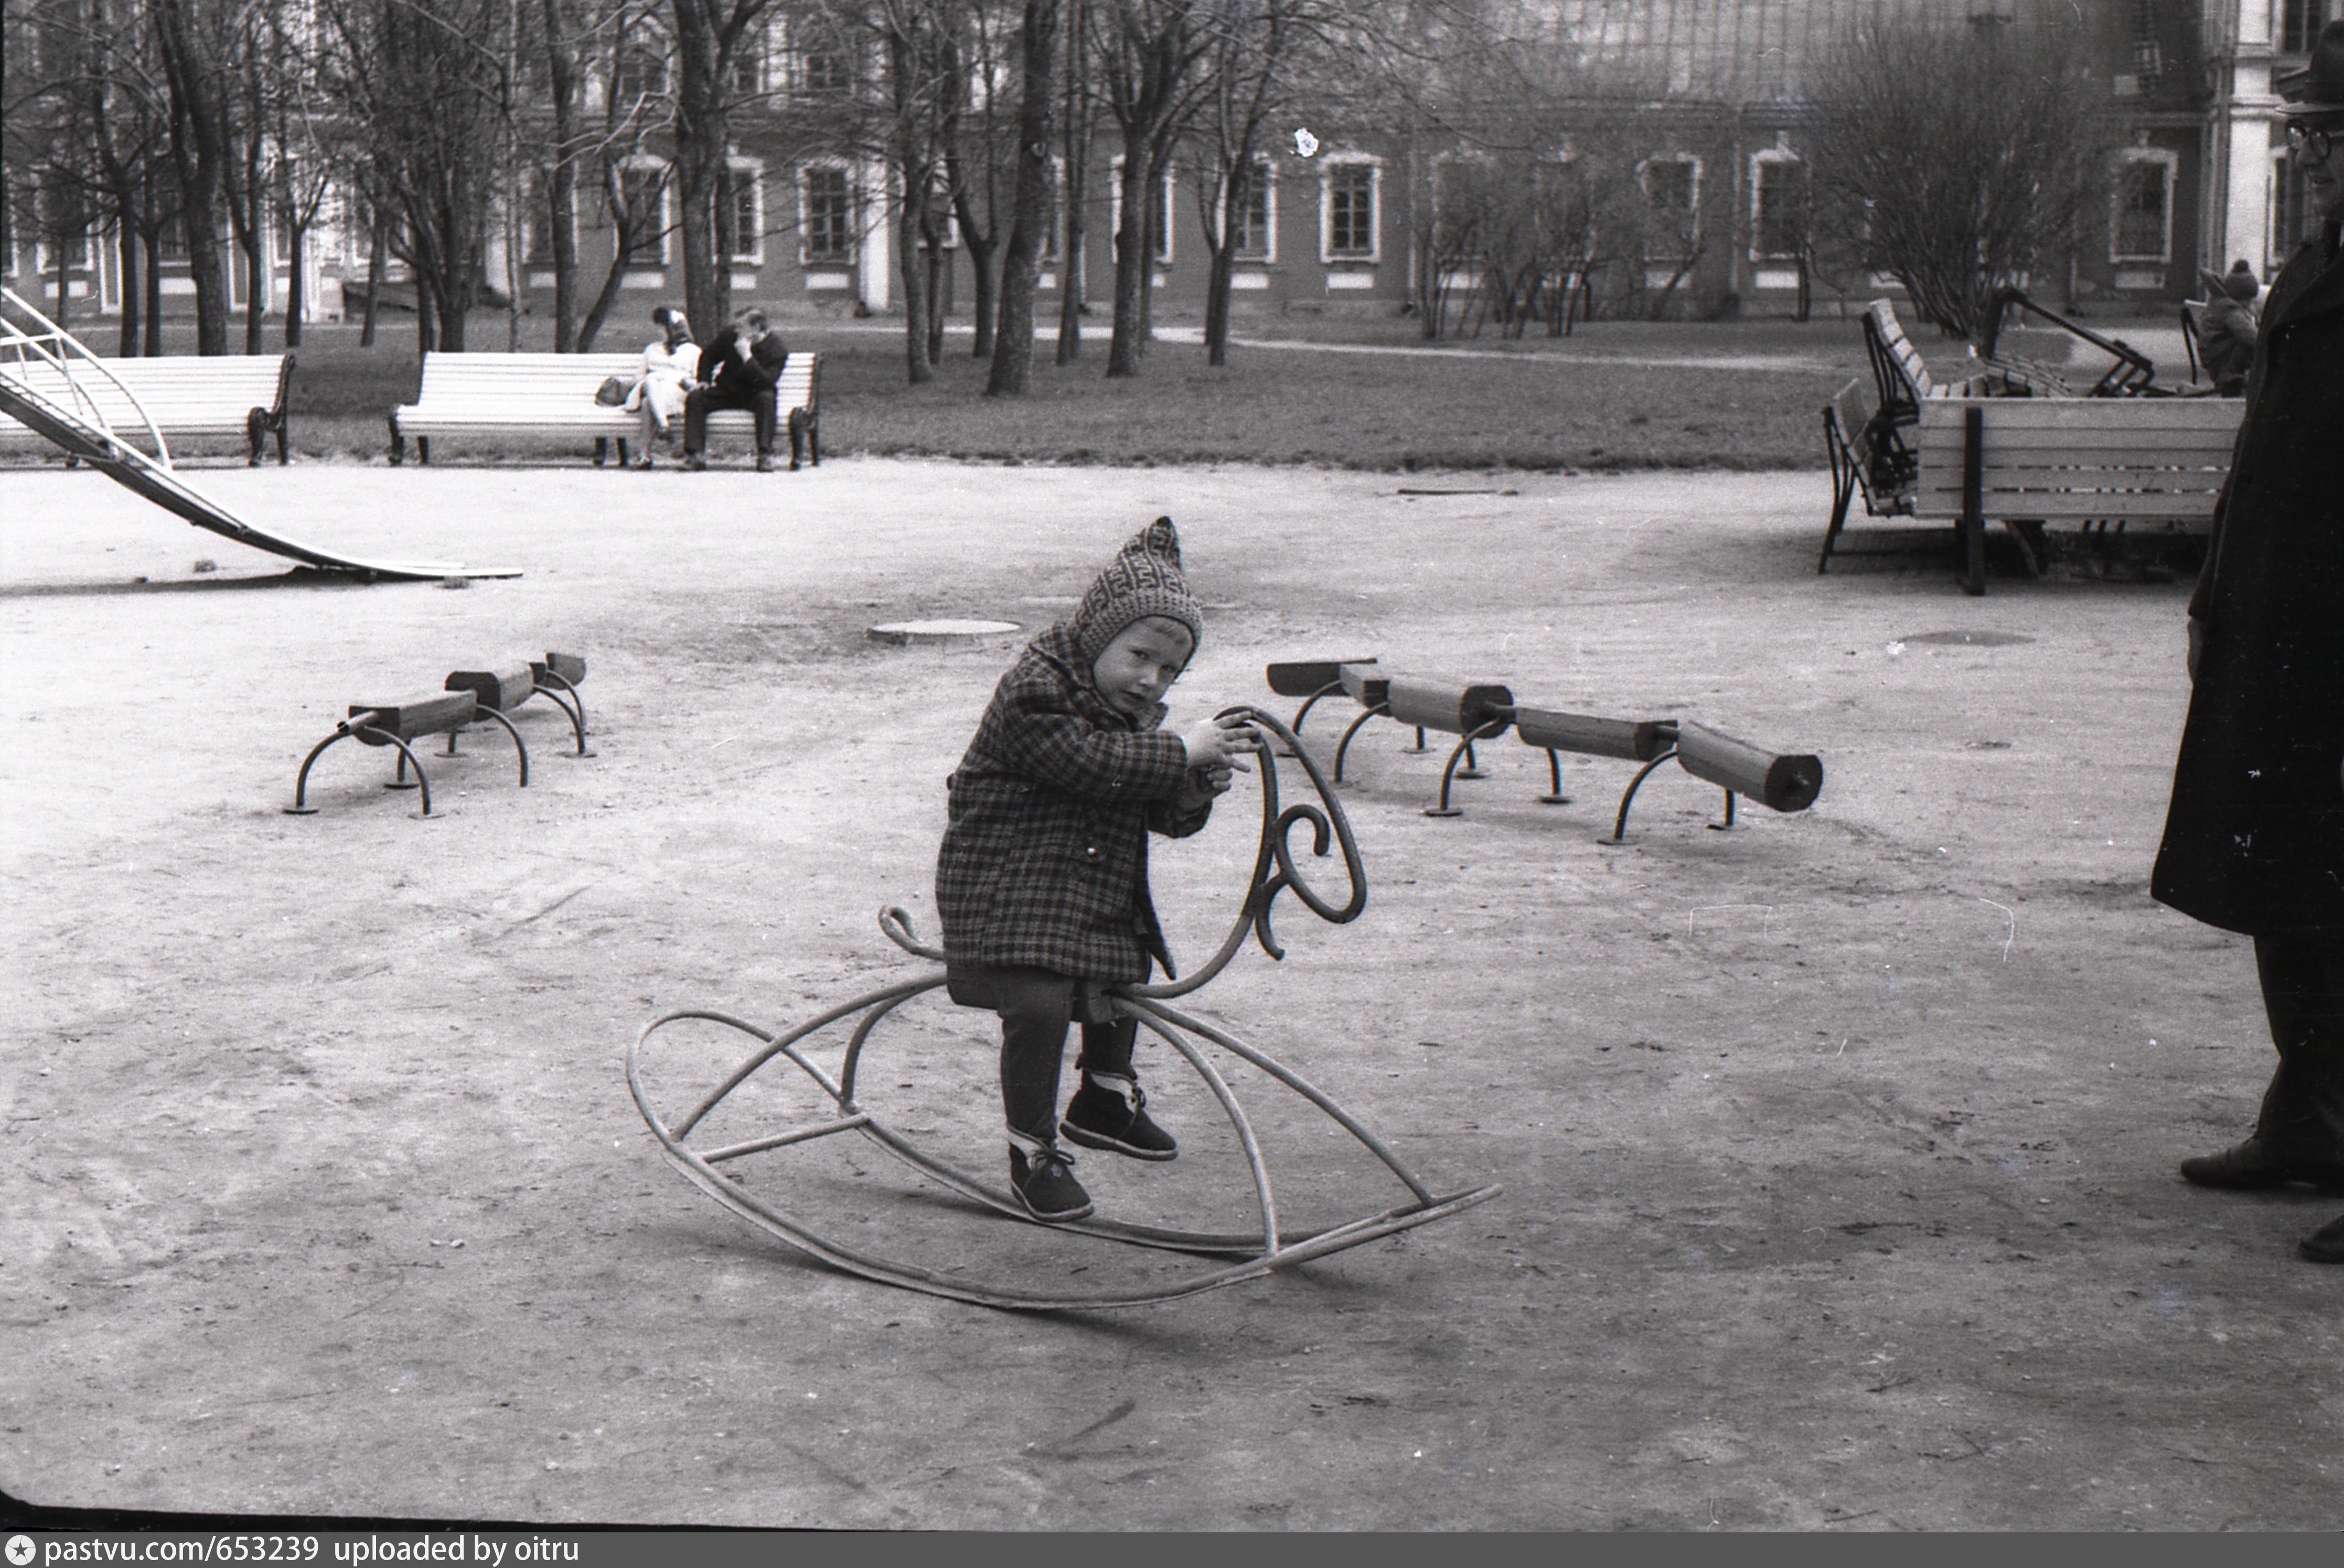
(1109, 1110)
(1106, 1051)
(1035, 1007)
(1033, 1045)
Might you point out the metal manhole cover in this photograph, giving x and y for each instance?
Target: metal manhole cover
(1973, 639)
(904, 632)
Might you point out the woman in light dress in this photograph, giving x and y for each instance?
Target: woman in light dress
(671, 365)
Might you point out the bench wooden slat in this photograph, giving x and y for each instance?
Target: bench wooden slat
(186, 397)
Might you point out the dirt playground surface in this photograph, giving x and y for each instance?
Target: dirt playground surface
(1837, 1148)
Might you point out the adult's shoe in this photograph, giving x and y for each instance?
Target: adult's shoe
(1045, 1187)
(2255, 1165)
(2325, 1244)
(695, 463)
(765, 462)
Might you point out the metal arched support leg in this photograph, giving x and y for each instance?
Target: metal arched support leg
(1473, 768)
(301, 783)
(1464, 748)
(1728, 823)
(1620, 827)
(575, 707)
(1345, 744)
(518, 747)
(398, 779)
(1419, 746)
(1554, 795)
(576, 715)
(1302, 712)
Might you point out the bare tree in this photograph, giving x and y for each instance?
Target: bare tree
(712, 36)
(1956, 157)
(200, 149)
(1013, 352)
(1148, 59)
(430, 82)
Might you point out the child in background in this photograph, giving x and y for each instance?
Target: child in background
(1042, 878)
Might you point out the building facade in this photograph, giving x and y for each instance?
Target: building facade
(2199, 179)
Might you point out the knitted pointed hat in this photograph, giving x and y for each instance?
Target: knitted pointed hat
(1143, 580)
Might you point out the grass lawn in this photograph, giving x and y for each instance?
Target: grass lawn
(1586, 402)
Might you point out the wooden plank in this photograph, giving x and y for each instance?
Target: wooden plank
(2082, 414)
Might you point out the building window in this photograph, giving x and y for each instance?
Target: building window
(748, 65)
(2291, 211)
(1778, 200)
(1672, 205)
(639, 215)
(639, 66)
(64, 225)
(536, 222)
(1253, 221)
(1349, 193)
(826, 224)
(2141, 227)
(1162, 214)
(2299, 24)
(748, 213)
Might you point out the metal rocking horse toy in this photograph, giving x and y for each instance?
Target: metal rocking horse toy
(1227, 1259)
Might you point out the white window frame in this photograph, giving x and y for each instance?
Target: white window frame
(666, 212)
(666, 63)
(2279, 247)
(1758, 161)
(1165, 246)
(1346, 161)
(534, 187)
(2124, 163)
(1265, 171)
(1692, 194)
(805, 213)
(753, 170)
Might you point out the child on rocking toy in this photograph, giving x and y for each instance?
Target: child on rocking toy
(1042, 879)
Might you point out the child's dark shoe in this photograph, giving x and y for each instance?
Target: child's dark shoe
(1099, 1117)
(1045, 1187)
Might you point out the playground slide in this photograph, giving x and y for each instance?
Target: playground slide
(84, 432)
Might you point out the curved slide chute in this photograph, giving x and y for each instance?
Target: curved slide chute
(66, 414)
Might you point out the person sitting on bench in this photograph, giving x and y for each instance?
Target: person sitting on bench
(737, 372)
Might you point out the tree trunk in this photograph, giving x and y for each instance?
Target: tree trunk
(701, 123)
(152, 340)
(126, 244)
(914, 175)
(296, 293)
(1131, 258)
(1077, 155)
(562, 179)
(375, 259)
(198, 156)
(1012, 373)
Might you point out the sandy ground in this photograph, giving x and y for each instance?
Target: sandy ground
(1837, 1148)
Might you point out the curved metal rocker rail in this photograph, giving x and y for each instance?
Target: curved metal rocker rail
(92, 439)
(1253, 1254)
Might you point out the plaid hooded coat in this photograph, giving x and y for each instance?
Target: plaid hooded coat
(1045, 859)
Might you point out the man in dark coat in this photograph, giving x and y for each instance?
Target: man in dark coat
(2254, 839)
(737, 372)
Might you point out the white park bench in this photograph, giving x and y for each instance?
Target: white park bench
(188, 397)
(488, 397)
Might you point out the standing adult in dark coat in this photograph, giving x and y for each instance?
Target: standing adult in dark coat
(738, 370)
(2254, 840)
